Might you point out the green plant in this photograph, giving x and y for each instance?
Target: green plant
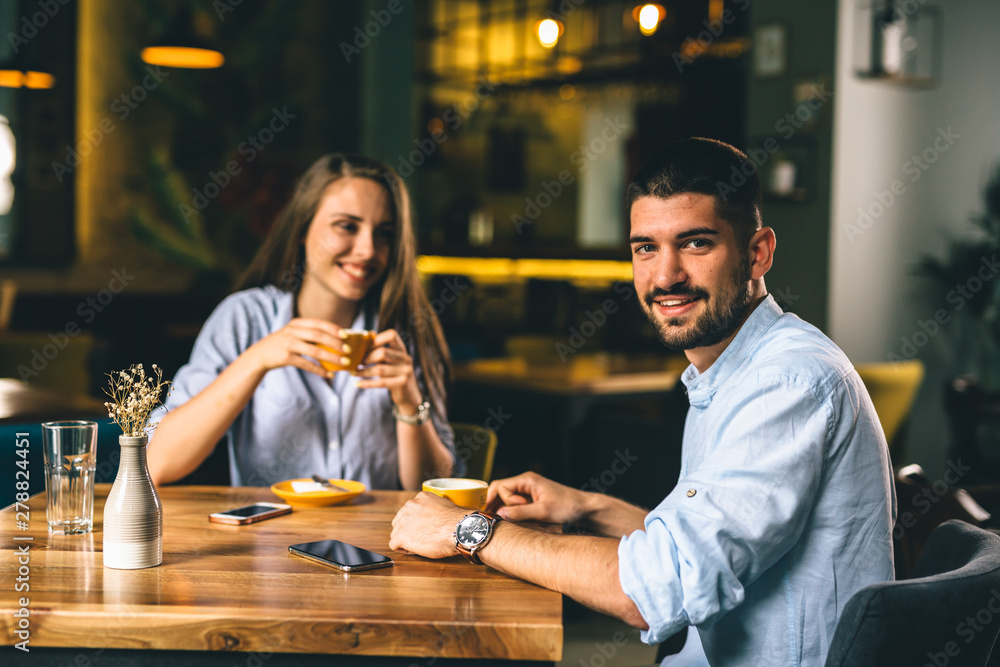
(967, 278)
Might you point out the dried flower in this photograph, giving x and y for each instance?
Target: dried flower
(134, 397)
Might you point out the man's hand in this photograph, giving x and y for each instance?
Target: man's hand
(426, 526)
(531, 497)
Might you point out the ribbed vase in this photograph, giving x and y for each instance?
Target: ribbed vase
(133, 515)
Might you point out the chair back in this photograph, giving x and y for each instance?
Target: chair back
(948, 615)
(476, 446)
(892, 386)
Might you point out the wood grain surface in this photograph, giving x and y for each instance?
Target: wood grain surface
(236, 588)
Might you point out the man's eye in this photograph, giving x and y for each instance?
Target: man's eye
(699, 243)
(644, 248)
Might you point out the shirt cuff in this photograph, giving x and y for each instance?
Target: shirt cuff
(641, 572)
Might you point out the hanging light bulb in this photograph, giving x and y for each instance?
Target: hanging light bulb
(649, 17)
(549, 31)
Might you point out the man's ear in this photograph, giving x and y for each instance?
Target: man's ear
(761, 252)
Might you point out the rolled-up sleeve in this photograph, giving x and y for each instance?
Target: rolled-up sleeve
(734, 514)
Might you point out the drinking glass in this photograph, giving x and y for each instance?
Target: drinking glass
(70, 449)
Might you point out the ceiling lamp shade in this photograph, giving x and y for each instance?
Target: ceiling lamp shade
(15, 78)
(181, 47)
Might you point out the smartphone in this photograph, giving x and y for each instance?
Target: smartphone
(250, 514)
(343, 556)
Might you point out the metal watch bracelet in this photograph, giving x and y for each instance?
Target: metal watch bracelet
(423, 414)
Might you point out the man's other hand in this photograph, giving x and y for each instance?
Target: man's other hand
(531, 497)
(426, 526)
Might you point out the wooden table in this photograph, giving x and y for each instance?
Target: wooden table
(224, 589)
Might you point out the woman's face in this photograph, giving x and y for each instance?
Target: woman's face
(349, 240)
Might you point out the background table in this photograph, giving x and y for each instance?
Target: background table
(236, 588)
(576, 422)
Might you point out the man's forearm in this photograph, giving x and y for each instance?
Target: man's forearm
(583, 567)
(611, 517)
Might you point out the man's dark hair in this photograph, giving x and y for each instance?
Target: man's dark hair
(703, 166)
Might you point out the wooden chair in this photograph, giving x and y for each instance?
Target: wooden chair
(476, 446)
(892, 387)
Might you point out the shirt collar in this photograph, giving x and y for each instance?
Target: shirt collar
(702, 387)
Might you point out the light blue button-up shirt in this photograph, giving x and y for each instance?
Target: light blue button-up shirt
(784, 507)
(296, 424)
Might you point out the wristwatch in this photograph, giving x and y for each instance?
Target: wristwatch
(473, 532)
(423, 414)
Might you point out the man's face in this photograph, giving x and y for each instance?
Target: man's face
(692, 279)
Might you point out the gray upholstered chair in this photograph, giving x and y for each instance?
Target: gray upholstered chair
(948, 614)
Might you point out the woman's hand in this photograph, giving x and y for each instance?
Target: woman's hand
(297, 340)
(389, 365)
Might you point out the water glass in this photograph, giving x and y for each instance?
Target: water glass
(70, 449)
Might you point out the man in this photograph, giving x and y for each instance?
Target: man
(785, 504)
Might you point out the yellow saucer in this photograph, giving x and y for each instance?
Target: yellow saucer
(318, 498)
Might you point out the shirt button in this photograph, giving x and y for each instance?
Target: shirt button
(334, 444)
(691, 493)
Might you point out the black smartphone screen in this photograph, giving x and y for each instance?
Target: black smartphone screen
(249, 511)
(339, 554)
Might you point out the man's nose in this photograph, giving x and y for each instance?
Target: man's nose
(670, 271)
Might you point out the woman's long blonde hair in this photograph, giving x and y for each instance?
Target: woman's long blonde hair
(402, 304)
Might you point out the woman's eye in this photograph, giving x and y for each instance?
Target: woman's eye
(387, 233)
(346, 226)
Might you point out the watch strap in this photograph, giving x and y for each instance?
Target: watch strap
(423, 414)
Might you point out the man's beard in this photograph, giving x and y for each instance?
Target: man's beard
(724, 312)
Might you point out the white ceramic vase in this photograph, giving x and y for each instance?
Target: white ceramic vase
(133, 515)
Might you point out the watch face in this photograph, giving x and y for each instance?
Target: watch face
(472, 530)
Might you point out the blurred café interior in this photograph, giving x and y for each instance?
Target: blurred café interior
(134, 195)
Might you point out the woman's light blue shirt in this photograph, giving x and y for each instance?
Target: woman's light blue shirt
(784, 508)
(296, 424)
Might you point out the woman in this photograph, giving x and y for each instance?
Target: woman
(340, 256)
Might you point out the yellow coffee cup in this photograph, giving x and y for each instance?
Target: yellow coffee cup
(468, 493)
